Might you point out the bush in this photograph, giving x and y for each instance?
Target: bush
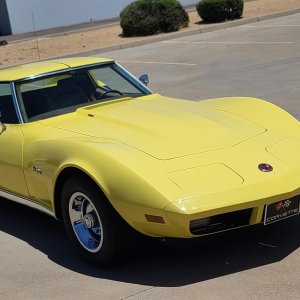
(146, 17)
(234, 9)
(172, 15)
(220, 10)
(211, 10)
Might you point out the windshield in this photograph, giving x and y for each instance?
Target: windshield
(66, 91)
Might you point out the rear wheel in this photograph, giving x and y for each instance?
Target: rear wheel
(94, 227)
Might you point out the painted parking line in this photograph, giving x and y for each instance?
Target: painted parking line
(227, 42)
(156, 62)
(269, 26)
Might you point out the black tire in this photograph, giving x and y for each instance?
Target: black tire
(78, 192)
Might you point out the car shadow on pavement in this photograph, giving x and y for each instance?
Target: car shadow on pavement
(151, 263)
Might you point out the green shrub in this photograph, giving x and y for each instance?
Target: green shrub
(146, 17)
(220, 10)
(172, 15)
(234, 9)
(211, 10)
(136, 20)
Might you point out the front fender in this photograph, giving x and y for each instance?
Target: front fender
(260, 112)
(125, 175)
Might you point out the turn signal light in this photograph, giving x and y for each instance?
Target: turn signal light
(155, 219)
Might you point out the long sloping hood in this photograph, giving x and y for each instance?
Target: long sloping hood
(162, 127)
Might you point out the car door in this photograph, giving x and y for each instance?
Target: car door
(12, 178)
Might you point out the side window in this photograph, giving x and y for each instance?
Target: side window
(7, 109)
(109, 78)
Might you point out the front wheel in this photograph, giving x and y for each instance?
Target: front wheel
(92, 224)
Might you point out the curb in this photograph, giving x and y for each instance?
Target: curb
(169, 36)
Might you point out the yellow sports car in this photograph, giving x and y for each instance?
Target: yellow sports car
(85, 141)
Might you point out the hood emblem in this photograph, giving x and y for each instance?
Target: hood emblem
(265, 167)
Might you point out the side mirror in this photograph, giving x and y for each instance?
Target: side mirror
(144, 79)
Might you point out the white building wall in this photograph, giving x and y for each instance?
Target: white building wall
(56, 13)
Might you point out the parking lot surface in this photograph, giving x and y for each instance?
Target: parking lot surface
(257, 60)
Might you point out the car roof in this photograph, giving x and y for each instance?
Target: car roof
(47, 66)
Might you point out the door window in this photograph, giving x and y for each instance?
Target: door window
(7, 109)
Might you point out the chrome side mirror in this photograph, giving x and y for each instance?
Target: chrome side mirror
(144, 79)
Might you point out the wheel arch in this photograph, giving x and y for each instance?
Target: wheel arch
(71, 171)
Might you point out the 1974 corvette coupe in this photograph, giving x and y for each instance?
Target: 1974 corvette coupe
(83, 140)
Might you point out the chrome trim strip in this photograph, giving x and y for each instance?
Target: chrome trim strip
(26, 202)
(134, 78)
(16, 104)
(229, 229)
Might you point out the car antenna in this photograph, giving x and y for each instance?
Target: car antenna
(36, 38)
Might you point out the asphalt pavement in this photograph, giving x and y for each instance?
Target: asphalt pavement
(257, 60)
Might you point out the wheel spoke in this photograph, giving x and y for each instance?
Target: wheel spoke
(86, 222)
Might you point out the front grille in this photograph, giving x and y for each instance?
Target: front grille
(221, 222)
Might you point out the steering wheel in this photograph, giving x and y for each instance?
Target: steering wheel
(107, 92)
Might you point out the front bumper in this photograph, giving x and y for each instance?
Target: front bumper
(230, 209)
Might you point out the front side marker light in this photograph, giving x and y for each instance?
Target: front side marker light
(155, 219)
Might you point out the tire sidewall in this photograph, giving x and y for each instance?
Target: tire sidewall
(107, 253)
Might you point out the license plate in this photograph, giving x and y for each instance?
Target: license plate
(281, 210)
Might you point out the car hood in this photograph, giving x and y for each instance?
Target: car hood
(162, 127)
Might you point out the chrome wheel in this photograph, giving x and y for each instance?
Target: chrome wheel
(96, 231)
(85, 222)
